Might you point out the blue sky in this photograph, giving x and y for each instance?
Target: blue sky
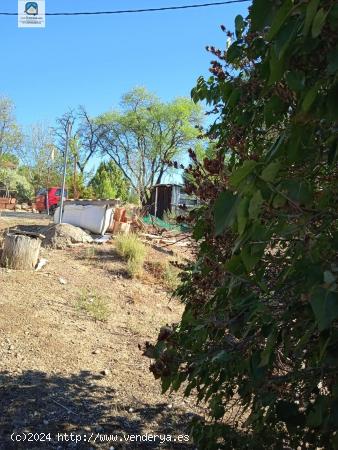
(93, 60)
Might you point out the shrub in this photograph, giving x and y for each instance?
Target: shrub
(133, 250)
(258, 340)
(12, 180)
(24, 193)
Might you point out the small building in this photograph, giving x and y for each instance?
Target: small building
(170, 198)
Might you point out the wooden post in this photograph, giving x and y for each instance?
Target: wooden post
(20, 252)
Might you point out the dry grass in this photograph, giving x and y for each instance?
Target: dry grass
(94, 305)
(171, 276)
(133, 250)
(164, 272)
(90, 252)
(70, 371)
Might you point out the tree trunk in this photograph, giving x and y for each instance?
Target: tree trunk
(20, 252)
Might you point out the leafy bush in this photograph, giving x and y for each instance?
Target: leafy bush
(12, 180)
(258, 341)
(133, 250)
(24, 193)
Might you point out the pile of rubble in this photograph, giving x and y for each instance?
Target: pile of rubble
(63, 235)
(10, 203)
(120, 222)
(25, 207)
(7, 203)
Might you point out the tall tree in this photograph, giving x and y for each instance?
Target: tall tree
(88, 133)
(11, 137)
(41, 159)
(145, 134)
(14, 179)
(64, 130)
(11, 180)
(84, 132)
(109, 182)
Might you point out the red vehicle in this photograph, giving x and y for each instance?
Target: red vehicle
(54, 198)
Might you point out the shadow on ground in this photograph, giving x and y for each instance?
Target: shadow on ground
(39, 403)
(23, 215)
(108, 259)
(31, 228)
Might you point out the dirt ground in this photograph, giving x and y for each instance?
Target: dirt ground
(63, 371)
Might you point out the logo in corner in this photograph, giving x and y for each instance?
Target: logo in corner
(31, 8)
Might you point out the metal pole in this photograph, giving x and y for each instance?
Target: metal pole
(69, 127)
(156, 200)
(47, 187)
(47, 199)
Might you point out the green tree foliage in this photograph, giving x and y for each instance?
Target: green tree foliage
(76, 186)
(109, 182)
(145, 134)
(258, 341)
(11, 137)
(8, 160)
(14, 183)
(41, 161)
(13, 180)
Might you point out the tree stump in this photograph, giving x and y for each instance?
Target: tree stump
(20, 252)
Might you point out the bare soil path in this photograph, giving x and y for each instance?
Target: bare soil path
(63, 371)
